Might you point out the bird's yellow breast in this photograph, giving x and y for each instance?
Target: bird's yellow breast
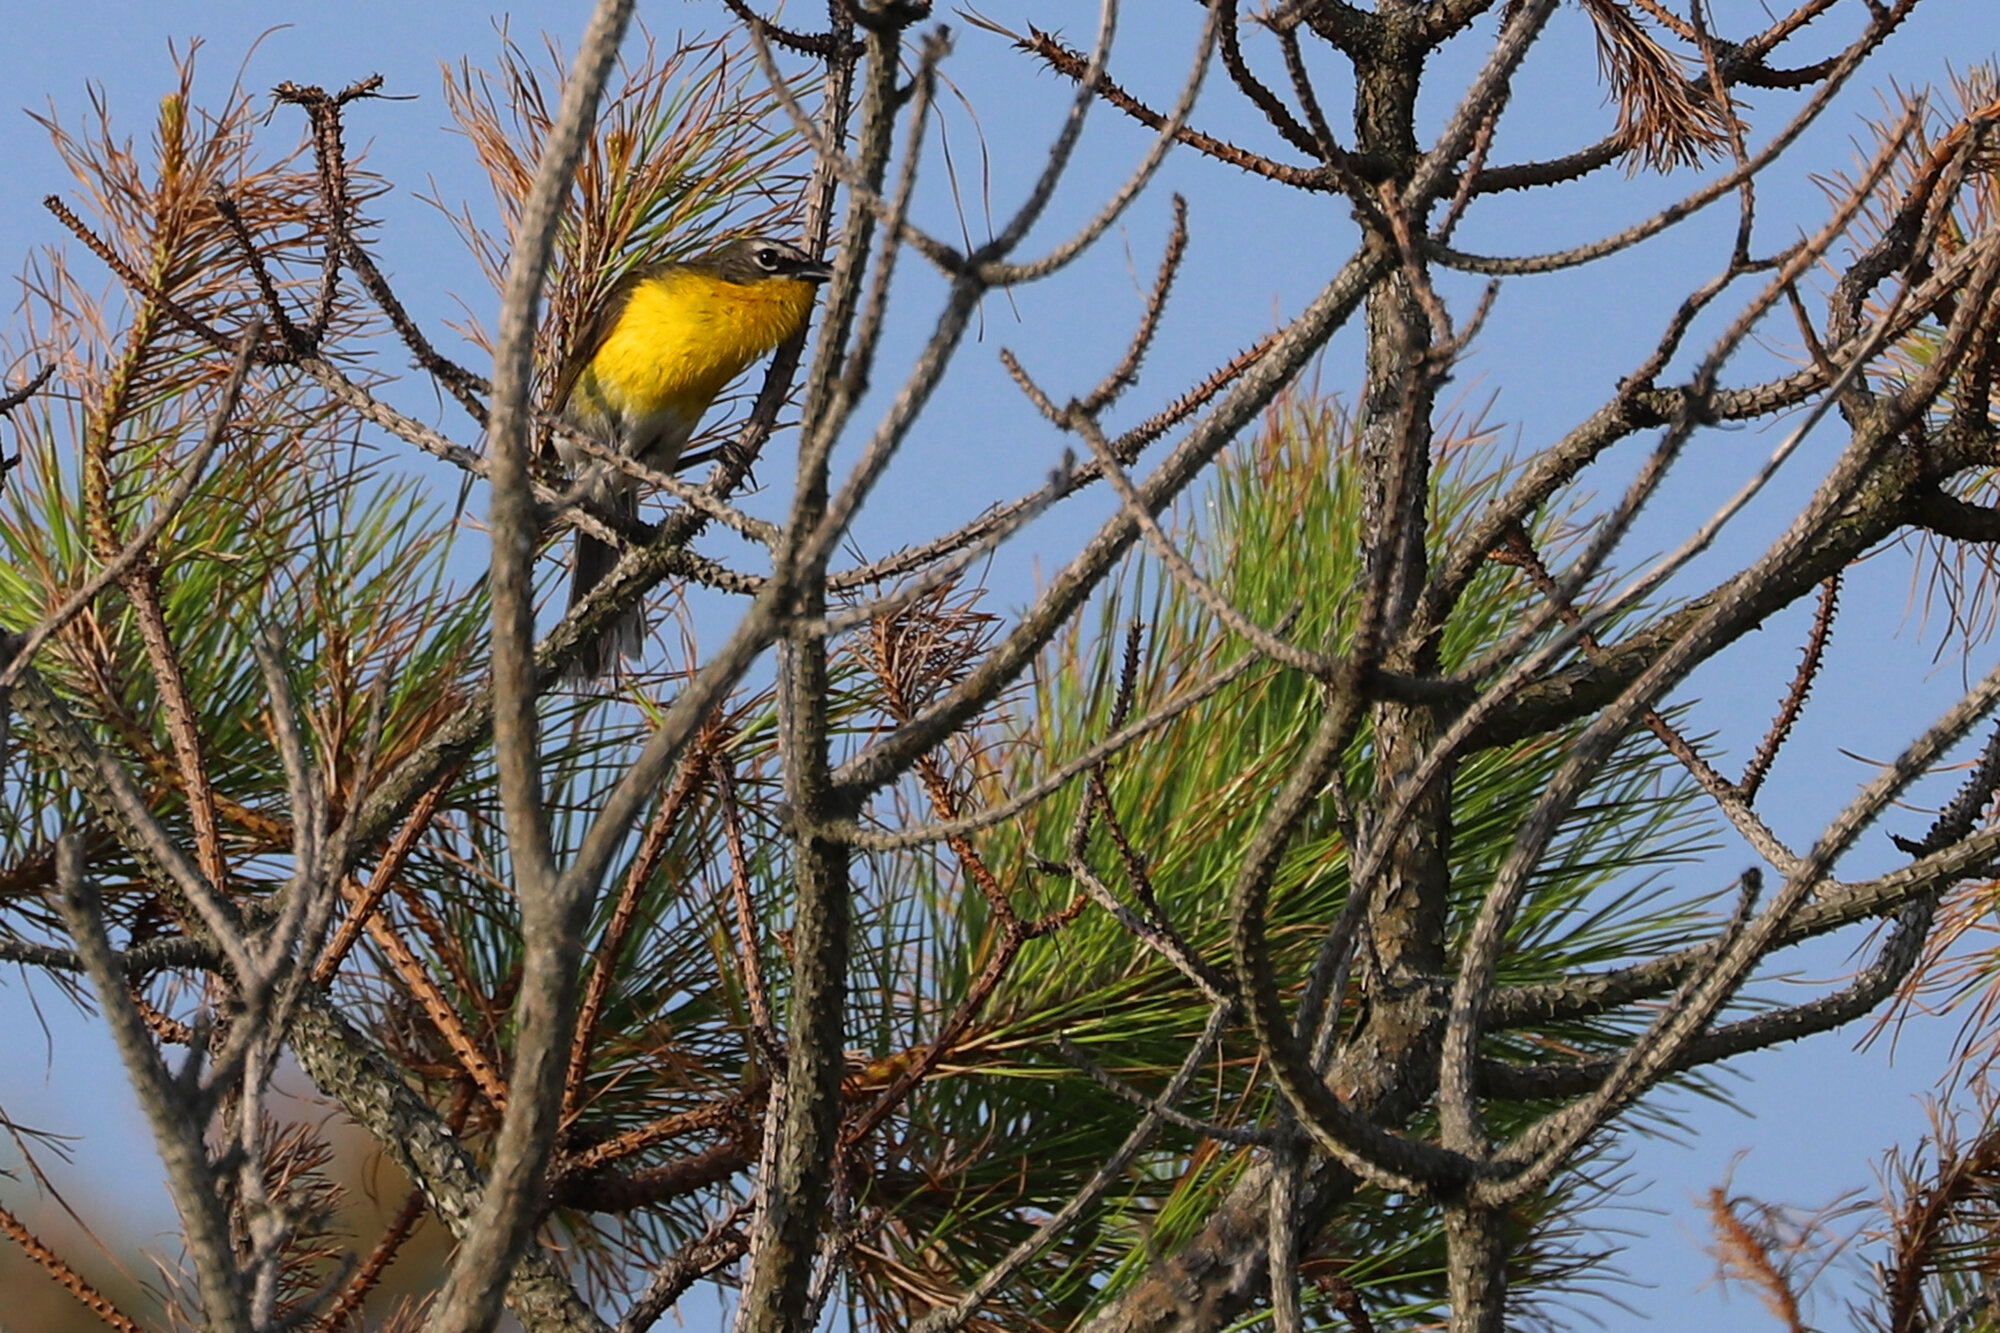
(684, 334)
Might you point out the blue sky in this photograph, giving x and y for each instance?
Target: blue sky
(1553, 350)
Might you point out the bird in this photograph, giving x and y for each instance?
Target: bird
(645, 367)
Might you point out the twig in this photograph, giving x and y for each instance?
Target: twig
(1125, 1092)
(1126, 373)
(697, 1259)
(749, 946)
(137, 281)
(1734, 802)
(1676, 212)
(289, 334)
(724, 1113)
(820, 44)
(39, 1252)
(1072, 65)
(14, 398)
(379, 883)
(1278, 649)
(1795, 697)
(999, 520)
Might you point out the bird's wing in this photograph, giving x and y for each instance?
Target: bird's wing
(591, 335)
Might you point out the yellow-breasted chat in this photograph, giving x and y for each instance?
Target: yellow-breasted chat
(646, 365)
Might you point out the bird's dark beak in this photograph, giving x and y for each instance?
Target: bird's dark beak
(814, 272)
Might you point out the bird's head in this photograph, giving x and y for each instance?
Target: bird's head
(759, 259)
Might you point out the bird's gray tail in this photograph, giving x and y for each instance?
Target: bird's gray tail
(625, 636)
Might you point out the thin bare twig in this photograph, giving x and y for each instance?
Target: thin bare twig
(1795, 697)
(39, 1252)
(749, 942)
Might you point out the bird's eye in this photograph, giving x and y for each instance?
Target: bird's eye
(767, 259)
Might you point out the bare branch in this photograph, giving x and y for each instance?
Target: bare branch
(550, 908)
(177, 1125)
